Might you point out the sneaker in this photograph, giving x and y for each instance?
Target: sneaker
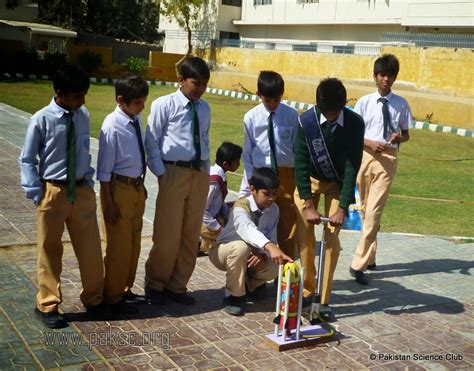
(307, 300)
(181, 298)
(359, 276)
(233, 305)
(372, 267)
(325, 312)
(155, 297)
(320, 313)
(132, 298)
(122, 307)
(51, 319)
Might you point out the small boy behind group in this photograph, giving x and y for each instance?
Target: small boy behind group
(247, 248)
(216, 213)
(61, 186)
(121, 170)
(269, 141)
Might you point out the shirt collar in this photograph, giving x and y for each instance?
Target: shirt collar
(57, 110)
(219, 171)
(388, 96)
(183, 99)
(267, 112)
(123, 118)
(253, 205)
(339, 121)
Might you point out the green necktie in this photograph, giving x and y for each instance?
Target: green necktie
(71, 159)
(196, 137)
(271, 140)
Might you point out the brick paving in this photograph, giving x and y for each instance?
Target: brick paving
(417, 312)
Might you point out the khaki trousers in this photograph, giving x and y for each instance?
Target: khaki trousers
(208, 237)
(178, 218)
(285, 201)
(374, 180)
(306, 240)
(123, 239)
(80, 217)
(232, 258)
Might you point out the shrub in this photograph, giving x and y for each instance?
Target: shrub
(27, 62)
(90, 61)
(136, 65)
(52, 62)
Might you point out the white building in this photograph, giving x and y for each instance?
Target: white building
(354, 23)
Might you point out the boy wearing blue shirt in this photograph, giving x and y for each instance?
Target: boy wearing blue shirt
(121, 171)
(177, 145)
(61, 185)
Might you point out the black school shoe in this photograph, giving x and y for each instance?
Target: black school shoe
(122, 307)
(132, 298)
(372, 267)
(98, 311)
(155, 297)
(181, 298)
(233, 305)
(51, 319)
(359, 276)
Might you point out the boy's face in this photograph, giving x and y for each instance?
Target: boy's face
(134, 107)
(71, 101)
(384, 82)
(264, 197)
(233, 166)
(193, 88)
(271, 104)
(331, 116)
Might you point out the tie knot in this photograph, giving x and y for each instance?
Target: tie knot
(383, 100)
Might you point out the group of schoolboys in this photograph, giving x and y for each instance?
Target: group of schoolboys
(289, 161)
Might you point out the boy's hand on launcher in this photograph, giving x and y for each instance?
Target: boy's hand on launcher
(277, 256)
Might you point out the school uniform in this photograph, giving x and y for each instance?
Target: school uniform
(216, 211)
(45, 183)
(257, 153)
(378, 169)
(344, 142)
(122, 163)
(248, 228)
(183, 186)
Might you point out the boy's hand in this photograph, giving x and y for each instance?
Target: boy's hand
(277, 256)
(111, 212)
(312, 215)
(338, 217)
(375, 146)
(256, 259)
(395, 138)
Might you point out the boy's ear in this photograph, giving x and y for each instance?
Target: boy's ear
(120, 99)
(180, 80)
(61, 94)
(252, 189)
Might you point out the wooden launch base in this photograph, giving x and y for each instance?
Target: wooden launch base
(309, 335)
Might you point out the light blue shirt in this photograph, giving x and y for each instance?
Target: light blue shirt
(169, 134)
(241, 226)
(256, 151)
(46, 141)
(119, 151)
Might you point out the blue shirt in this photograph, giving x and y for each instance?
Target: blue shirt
(169, 134)
(119, 151)
(46, 141)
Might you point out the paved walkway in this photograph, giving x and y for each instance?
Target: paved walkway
(417, 312)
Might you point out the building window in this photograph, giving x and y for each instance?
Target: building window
(306, 1)
(262, 2)
(229, 35)
(232, 2)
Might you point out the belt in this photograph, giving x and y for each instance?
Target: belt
(187, 164)
(128, 180)
(62, 182)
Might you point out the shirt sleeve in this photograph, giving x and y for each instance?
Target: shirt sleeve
(153, 136)
(247, 230)
(30, 179)
(106, 156)
(249, 144)
(406, 118)
(213, 197)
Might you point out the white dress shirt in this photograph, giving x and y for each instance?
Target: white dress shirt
(370, 109)
(241, 226)
(169, 134)
(119, 151)
(215, 201)
(256, 150)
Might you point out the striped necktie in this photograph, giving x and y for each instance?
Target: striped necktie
(196, 137)
(271, 140)
(136, 126)
(71, 159)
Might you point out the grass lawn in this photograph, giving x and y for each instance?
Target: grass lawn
(433, 191)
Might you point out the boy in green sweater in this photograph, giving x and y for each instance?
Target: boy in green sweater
(328, 153)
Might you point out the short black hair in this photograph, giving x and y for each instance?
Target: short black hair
(194, 68)
(229, 152)
(387, 64)
(331, 95)
(131, 86)
(264, 178)
(70, 78)
(270, 84)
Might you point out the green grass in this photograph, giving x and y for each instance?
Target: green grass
(432, 166)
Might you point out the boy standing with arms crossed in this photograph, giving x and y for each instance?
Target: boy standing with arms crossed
(61, 185)
(121, 170)
(269, 141)
(387, 119)
(328, 155)
(177, 145)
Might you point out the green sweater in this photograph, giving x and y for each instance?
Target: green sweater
(345, 147)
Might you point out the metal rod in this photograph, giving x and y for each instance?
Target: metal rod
(287, 300)
(300, 304)
(322, 251)
(278, 303)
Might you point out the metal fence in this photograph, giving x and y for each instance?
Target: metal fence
(446, 40)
